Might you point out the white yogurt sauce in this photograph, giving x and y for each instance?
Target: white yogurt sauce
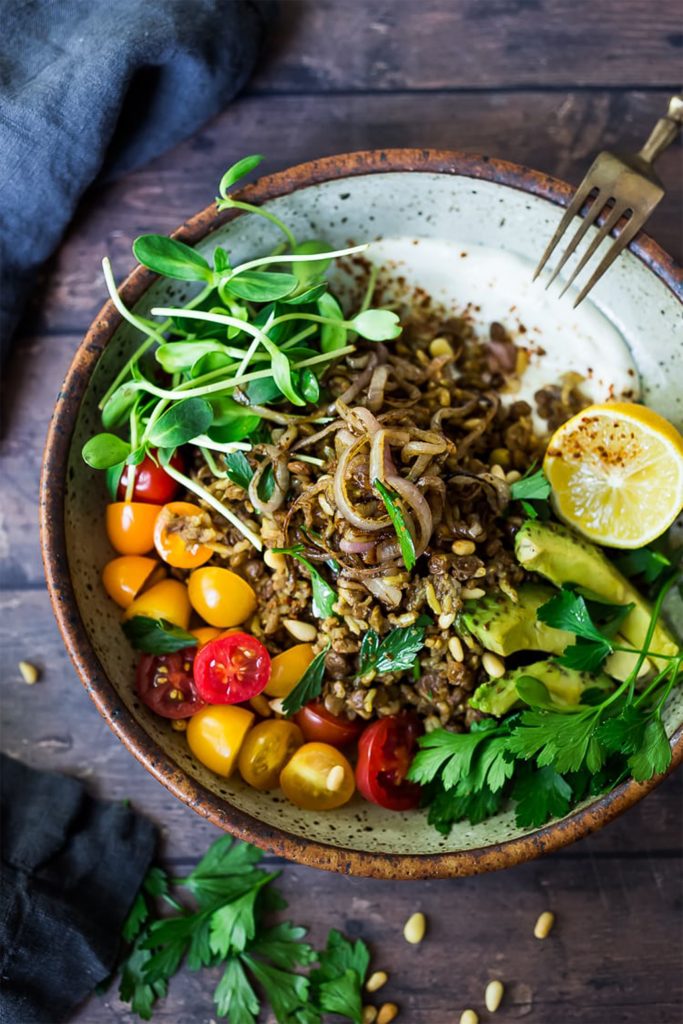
(493, 285)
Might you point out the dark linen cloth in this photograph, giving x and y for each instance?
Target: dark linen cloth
(90, 86)
(70, 867)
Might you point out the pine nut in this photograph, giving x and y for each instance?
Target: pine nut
(335, 778)
(498, 471)
(276, 706)
(260, 705)
(440, 347)
(493, 995)
(369, 1014)
(513, 476)
(414, 928)
(29, 672)
(376, 980)
(480, 573)
(469, 1017)
(432, 599)
(456, 648)
(472, 594)
(305, 632)
(493, 665)
(179, 725)
(500, 457)
(446, 620)
(387, 1012)
(274, 560)
(463, 547)
(544, 924)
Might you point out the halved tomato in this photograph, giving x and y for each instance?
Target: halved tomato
(231, 669)
(385, 752)
(266, 751)
(164, 682)
(317, 778)
(319, 724)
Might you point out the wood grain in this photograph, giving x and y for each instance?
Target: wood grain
(325, 45)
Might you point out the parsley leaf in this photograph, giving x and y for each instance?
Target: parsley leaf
(238, 469)
(308, 687)
(134, 987)
(395, 653)
(337, 984)
(450, 806)
(324, 596)
(447, 754)
(405, 539)
(644, 562)
(287, 993)
(654, 752)
(568, 610)
(282, 945)
(234, 996)
(156, 636)
(541, 793)
(534, 487)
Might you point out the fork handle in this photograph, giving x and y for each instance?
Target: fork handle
(664, 132)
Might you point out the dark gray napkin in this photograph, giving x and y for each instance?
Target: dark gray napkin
(70, 868)
(101, 85)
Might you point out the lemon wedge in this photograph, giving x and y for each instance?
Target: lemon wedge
(616, 472)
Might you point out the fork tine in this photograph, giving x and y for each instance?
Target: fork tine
(590, 219)
(620, 242)
(582, 192)
(614, 216)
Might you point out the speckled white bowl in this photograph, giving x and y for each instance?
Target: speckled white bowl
(437, 206)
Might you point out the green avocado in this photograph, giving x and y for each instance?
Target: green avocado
(565, 685)
(504, 626)
(562, 556)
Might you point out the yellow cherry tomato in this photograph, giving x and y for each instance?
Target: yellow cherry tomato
(266, 750)
(123, 578)
(130, 526)
(216, 733)
(220, 596)
(171, 547)
(317, 778)
(286, 669)
(166, 600)
(205, 634)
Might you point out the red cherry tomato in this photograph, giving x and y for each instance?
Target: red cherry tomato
(152, 483)
(385, 751)
(320, 726)
(231, 669)
(165, 684)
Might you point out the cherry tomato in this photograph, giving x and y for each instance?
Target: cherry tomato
(287, 669)
(265, 752)
(231, 669)
(123, 578)
(130, 526)
(170, 545)
(166, 600)
(220, 596)
(152, 482)
(165, 684)
(317, 723)
(317, 778)
(205, 634)
(385, 751)
(215, 735)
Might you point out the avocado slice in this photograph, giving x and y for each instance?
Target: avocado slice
(565, 685)
(562, 556)
(504, 626)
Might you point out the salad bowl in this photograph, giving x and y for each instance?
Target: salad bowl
(467, 230)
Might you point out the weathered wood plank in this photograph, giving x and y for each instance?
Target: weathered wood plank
(54, 725)
(324, 45)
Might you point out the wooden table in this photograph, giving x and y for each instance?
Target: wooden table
(543, 82)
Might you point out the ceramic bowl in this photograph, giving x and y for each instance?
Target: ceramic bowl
(434, 214)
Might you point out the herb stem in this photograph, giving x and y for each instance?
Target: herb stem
(290, 258)
(235, 204)
(209, 498)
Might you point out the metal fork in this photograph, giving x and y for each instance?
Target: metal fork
(621, 188)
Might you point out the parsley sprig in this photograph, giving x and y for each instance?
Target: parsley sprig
(547, 758)
(532, 491)
(396, 652)
(227, 927)
(324, 596)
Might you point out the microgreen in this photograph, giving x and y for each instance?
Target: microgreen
(156, 636)
(181, 423)
(405, 539)
(105, 451)
(171, 258)
(324, 596)
(309, 686)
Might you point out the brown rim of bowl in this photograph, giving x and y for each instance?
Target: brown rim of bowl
(53, 543)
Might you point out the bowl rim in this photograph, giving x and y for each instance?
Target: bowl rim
(62, 596)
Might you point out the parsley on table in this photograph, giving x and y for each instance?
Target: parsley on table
(403, 534)
(324, 596)
(396, 652)
(261, 963)
(157, 636)
(308, 687)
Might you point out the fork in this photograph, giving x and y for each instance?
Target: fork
(622, 188)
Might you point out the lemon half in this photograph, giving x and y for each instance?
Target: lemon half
(616, 472)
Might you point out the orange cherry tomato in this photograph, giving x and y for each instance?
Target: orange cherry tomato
(205, 634)
(286, 669)
(123, 578)
(317, 778)
(130, 526)
(265, 752)
(215, 735)
(166, 600)
(171, 546)
(220, 596)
